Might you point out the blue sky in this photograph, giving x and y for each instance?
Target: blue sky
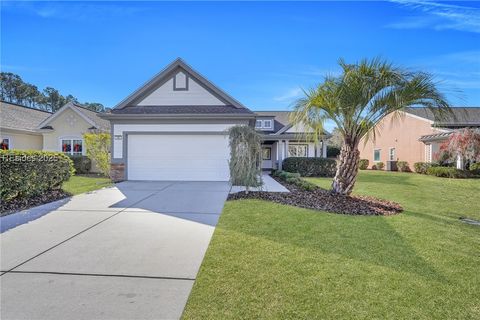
(262, 53)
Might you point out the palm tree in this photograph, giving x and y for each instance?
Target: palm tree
(358, 99)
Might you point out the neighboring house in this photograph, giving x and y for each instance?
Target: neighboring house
(283, 140)
(175, 128)
(18, 127)
(415, 135)
(25, 128)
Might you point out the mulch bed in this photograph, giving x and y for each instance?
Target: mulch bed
(15, 205)
(321, 199)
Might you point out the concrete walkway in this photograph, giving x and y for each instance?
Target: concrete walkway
(269, 185)
(127, 252)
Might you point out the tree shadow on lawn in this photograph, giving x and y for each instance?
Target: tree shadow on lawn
(367, 239)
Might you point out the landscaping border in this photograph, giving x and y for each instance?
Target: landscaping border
(324, 200)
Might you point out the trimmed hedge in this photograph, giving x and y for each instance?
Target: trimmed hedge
(294, 178)
(378, 166)
(363, 164)
(447, 172)
(402, 166)
(310, 167)
(25, 174)
(81, 164)
(422, 167)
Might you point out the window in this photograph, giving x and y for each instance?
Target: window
(264, 124)
(73, 147)
(392, 154)
(267, 153)
(5, 145)
(297, 150)
(376, 155)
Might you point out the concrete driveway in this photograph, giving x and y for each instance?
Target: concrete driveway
(127, 252)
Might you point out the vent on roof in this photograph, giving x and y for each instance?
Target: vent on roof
(180, 82)
(47, 128)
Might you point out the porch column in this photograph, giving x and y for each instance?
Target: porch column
(324, 149)
(318, 149)
(285, 155)
(460, 164)
(280, 154)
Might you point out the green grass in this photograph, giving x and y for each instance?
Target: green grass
(270, 261)
(85, 183)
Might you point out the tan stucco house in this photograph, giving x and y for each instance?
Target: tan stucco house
(415, 135)
(25, 128)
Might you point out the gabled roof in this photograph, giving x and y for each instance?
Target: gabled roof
(460, 117)
(88, 115)
(18, 117)
(129, 102)
(281, 123)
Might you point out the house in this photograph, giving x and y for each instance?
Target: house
(415, 136)
(18, 127)
(175, 126)
(282, 139)
(25, 128)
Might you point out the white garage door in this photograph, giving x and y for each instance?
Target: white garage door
(200, 157)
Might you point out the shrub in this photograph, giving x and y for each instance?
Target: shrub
(82, 164)
(403, 166)
(447, 172)
(294, 178)
(24, 174)
(311, 167)
(98, 149)
(363, 164)
(378, 166)
(422, 167)
(475, 167)
(333, 152)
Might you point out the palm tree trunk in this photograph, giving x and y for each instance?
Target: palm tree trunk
(347, 169)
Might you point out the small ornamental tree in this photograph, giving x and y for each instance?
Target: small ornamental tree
(464, 143)
(98, 149)
(245, 157)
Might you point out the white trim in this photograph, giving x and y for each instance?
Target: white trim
(428, 152)
(71, 106)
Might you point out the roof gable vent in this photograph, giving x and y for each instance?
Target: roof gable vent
(180, 82)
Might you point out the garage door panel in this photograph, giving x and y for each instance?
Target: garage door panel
(178, 157)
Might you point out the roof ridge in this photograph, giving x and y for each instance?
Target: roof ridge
(26, 107)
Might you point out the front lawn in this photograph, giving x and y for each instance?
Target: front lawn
(84, 183)
(274, 261)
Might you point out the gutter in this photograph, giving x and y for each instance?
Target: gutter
(111, 116)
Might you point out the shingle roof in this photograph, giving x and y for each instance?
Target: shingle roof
(101, 124)
(228, 109)
(462, 116)
(14, 116)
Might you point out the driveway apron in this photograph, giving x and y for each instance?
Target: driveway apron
(127, 252)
